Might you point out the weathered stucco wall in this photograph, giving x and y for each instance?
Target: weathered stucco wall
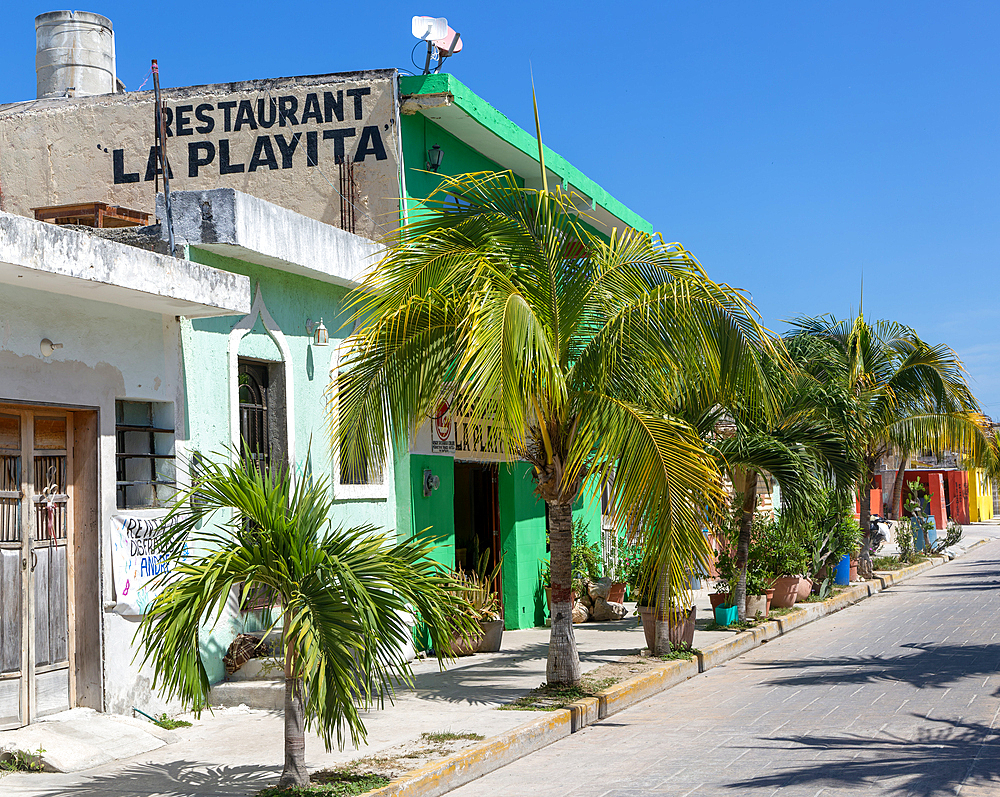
(277, 139)
(109, 352)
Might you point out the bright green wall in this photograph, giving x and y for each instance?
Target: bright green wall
(522, 541)
(433, 516)
(419, 135)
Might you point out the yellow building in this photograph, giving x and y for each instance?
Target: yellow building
(980, 496)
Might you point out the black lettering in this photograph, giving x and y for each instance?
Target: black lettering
(286, 148)
(287, 106)
(201, 113)
(312, 148)
(227, 108)
(168, 119)
(338, 137)
(333, 106)
(184, 120)
(244, 116)
(263, 155)
(121, 176)
(370, 144)
(311, 109)
(225, 167)
(153, 166)
(273, 107)
(358, 94)
(194, 161)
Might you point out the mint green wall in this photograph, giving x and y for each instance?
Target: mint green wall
(291, 300)
(522, 541)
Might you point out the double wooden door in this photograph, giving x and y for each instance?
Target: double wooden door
(36, 535)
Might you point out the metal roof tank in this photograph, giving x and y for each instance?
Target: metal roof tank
(74, 54)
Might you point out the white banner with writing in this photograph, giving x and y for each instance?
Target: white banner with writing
(136, 562)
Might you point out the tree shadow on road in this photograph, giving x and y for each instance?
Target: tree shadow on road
(929, 667)
(936, 761)
(174, 779)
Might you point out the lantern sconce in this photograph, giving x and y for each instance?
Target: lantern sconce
(434, 157)
(320, 336)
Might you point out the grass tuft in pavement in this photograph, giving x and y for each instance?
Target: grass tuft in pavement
(331, 783)
(449, 736)
(551, 698)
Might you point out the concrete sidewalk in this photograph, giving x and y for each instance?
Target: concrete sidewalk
(237, 751)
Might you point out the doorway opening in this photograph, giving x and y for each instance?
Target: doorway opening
(477, 519)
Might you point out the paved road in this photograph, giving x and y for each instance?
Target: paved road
(895, 696)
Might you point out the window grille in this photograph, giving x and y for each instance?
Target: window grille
(255, 431)
(144, 434)
(366, 479)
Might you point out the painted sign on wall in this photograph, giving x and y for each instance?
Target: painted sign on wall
(136, 562)
(325, 146)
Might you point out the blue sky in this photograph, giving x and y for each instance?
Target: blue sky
(792, 146)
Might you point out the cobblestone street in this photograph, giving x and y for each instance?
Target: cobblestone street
(894, 696)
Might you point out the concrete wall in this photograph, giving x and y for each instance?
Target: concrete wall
(97, 149)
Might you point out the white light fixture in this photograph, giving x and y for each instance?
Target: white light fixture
(320, 336)
(434, 157)
(47, 347)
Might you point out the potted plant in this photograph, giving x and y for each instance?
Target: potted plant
(545, 574)
(680, 618)
(483, 606)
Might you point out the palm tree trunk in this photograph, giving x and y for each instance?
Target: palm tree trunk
(295, 772)
(897, 485)
(743, 543)
(864, 519)
(661, 631)
(563, 666)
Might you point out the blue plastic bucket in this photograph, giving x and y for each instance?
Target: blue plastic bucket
(842, 576)
(725, 615)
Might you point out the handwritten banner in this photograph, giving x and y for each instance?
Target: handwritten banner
(136, 562)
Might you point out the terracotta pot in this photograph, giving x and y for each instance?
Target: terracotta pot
(647, 615)
(854, 570)
(805, 588)
(769, 594)
(718, 598)
(786, 592)
(681, 627)
(617, 594)
(466, 646)
(756, 603)
(492, 634)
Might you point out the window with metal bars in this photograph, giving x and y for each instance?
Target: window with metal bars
(255, 427)
(144, 436)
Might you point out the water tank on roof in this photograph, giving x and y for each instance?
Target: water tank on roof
(74, 54)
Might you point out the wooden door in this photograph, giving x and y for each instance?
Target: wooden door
(35, 538)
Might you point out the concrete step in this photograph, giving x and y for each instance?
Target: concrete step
(268, 695)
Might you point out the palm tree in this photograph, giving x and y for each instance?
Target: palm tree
(794, 440)
(903, 393)
(569, 343)
(343, 594)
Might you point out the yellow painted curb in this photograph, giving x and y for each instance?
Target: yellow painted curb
(627, 693)
(466, 765)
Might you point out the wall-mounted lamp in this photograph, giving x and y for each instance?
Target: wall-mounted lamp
(434, 157)
(320, 336)
(47, 347)
(431, 482)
